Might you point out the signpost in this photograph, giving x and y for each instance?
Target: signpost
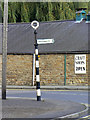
(35, 25)
(80, 64)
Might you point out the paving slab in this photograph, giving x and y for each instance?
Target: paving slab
(30, 108)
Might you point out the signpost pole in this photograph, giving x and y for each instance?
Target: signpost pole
(35, 25)
(37, 69)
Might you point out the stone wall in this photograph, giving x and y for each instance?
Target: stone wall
(19, 70)
(52, 69)
(72, 78)
(89, 69)
(0, 69)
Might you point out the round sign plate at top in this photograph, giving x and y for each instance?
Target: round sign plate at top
(35, 24)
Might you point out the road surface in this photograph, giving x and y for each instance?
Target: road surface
(66, 95)
(75, 96)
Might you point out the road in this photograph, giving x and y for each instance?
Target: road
(66, 95)
(75, 96)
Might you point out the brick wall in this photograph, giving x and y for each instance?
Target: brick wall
(19, 70)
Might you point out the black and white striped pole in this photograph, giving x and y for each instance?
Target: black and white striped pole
(35, 25)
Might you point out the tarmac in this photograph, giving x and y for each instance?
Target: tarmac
(17, 108)
(30, 108)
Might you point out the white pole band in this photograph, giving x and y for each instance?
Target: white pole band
(37, 64)
(37, 78)
(38, 92)
(36, 51)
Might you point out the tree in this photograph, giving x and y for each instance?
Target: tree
(50, 13)
(43, 11)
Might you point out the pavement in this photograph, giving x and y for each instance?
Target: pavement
(30, 108)
(50, 87)
(26, 108)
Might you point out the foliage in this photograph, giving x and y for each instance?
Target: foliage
(42, 11)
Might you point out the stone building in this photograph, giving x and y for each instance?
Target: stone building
(57, 60)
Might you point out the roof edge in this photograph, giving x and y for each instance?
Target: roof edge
(56, 52)
(42, 22)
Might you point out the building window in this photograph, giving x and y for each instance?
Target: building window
(83, 14)
(78, 14)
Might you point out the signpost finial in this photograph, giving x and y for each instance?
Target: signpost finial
(35, 24)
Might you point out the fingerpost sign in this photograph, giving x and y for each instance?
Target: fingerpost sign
(45, 41)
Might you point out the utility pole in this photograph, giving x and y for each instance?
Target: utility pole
(4, 49)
